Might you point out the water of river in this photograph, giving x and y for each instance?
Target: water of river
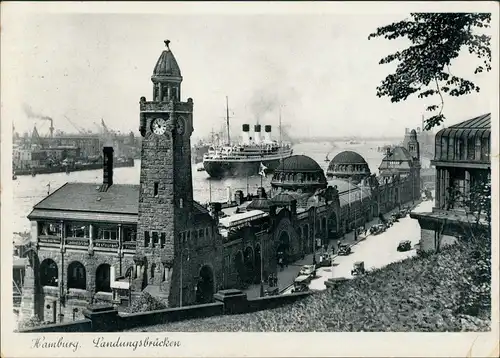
(30, 190)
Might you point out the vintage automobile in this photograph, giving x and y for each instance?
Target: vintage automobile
(271, 290)
(344, 250)
(308, 270)
(358, 268)
(325, 260)
(404, 245)
(377, 229)
(301, 284)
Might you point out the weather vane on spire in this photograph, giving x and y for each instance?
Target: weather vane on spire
(167, 42)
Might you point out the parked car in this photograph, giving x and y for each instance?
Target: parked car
(301, 284)
(344, 250)
(325, 260)
(377, 229)
(404, 245)
(308, 270)
(358, 268)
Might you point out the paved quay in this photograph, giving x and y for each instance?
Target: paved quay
(287, 276)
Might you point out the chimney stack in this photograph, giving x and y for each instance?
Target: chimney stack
(257, 138)
(107, 179)
(229, 198)
(267, 135)
(246, 134)
(388, 151)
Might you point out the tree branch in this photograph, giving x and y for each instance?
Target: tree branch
(440, 95)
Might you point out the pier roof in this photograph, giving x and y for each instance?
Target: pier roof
(84, 201)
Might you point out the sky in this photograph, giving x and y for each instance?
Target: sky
(321, 69)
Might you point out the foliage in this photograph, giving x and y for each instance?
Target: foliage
(31, 322)
(424, 67)
(476, 282)
(446, 291)
(478, 202)
(145, 303)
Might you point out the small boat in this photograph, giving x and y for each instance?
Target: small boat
(200, 169)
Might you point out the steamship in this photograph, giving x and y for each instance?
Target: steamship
(245, 158)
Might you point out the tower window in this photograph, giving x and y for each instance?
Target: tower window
(146, 238)
(155, 239)
(156, 189)
(162, 240)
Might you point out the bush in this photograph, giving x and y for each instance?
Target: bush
(29, 323)
(447, 291)
(145, 303)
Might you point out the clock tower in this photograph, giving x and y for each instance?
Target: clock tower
(166, 188)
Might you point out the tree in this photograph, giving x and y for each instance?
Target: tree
(424, 67)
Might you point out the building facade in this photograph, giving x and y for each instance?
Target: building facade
(110, 242)
(463, 165)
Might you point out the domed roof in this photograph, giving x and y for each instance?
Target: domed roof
(259, 204)
(413, 131)
(347, 157)
(299, 163)
(283, 198)
(166, 67)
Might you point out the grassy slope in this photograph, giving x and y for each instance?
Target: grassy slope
(418, 294)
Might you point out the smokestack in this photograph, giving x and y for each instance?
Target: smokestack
(257, 138)
(107, 180)
(267, 134)
(388, 151)
(229, 197)
(245, 134)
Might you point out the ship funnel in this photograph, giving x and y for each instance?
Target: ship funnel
(245, 134)
(267, 133)
(257, 138)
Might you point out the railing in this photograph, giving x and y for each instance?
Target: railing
(49, 239)
(129, 245)
(77, 241)
(106, 244)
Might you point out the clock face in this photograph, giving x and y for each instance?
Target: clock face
(159, 126)
(180, 125)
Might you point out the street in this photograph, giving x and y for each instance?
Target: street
(376, 250)
(385, 244)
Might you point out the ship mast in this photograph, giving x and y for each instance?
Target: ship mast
(227, 122)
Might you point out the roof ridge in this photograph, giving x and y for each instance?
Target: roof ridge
(48, 196)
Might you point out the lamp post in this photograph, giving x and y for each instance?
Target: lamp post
(180, 288)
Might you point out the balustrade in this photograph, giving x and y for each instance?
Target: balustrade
(49, 239)
(129, 245)
(77, 241)
(106, 244)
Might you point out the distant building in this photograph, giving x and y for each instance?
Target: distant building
(462, 161)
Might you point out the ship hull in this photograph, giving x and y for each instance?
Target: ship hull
(225, 168)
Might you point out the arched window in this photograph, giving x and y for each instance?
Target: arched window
(77, 276)
(153, 268)
(102, 279)
(49, 273)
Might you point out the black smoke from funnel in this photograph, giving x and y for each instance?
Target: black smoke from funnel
(32, 114)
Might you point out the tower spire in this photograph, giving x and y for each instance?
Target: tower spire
(167, 43)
